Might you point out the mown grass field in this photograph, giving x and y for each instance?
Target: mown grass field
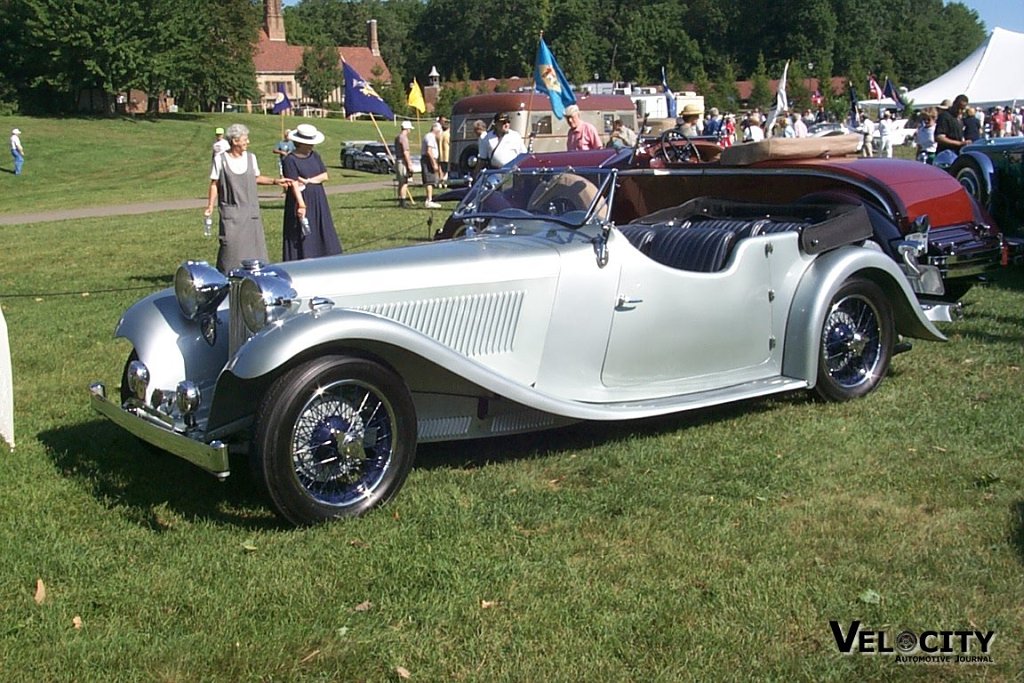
(708, 546)
(76, 162)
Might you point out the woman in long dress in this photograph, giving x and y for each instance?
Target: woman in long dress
(233, 180)
(307, 199)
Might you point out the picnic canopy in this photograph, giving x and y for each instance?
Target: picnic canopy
(989, 76)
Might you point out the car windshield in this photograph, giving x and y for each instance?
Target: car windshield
(564, 195)
(375, 149)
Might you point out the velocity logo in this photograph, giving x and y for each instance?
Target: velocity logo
(926, 647)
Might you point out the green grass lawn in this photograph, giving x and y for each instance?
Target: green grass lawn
(708, 546)
(79, 162)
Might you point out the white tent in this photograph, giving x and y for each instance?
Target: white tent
(990, 75)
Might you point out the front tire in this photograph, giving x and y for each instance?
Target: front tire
(334, 437)
(856, 341)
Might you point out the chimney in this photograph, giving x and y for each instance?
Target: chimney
(273, 22)
(371, 37)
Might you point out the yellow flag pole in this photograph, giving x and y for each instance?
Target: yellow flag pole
(387, 148)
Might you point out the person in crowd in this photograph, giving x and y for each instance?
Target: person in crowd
(444, 147)
(867, 129)
(821, 116)
(220, 145)
(886, 132)
(403, 166)
(713, 126)
(782, 127)
(998, 122)
(729, 127)
(430, 163)
(752, 130)
(800, 125)
(234, 176)
(283, 148)
(690, 126)
(949, 129)
(307, 200)
(501, 145)
(622, 136)
(972, 126)
(924, 138)
(582, 134)
(17, 151)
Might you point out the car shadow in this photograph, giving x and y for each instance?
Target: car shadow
(151, 487)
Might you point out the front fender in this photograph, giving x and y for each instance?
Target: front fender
(988, 169)
(819, 285)
(171, 345)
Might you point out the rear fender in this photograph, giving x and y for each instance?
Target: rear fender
(819, 285)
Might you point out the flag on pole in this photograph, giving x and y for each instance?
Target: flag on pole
(361, 98)
(281, 101)
(874, 90)
(781, 101)
(549, 79)
(890, 92)
(416, 98)
(670, 97)
(854, 106)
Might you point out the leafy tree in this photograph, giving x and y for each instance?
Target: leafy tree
(724, 94)
(319, 74)
(761, 94)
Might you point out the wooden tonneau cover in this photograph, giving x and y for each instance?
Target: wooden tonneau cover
(746, 153)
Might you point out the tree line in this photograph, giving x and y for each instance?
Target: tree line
(201, 50)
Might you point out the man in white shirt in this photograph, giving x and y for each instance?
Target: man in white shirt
(17, 152)
(501, 145)
(220, 145)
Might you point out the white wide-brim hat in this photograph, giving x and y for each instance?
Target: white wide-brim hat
(16, 131)
(306, 134)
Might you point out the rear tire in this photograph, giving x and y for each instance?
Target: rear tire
(856, 341)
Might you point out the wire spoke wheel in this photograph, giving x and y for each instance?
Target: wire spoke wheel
(334, 437)
(856, 342)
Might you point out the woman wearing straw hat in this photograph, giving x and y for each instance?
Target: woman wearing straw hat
(307, 200)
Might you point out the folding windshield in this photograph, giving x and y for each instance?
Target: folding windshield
(567, 196)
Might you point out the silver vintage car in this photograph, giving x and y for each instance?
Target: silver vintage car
(328, 372)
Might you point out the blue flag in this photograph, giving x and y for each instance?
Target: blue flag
(361, 98)
(854, 106)
(670, 97)
(550, 80)
(890, 92)
(281, 101)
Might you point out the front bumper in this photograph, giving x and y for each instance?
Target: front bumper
(212, 457)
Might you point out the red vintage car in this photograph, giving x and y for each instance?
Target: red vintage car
(920, 216)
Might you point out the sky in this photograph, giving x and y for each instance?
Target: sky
(1006, 14)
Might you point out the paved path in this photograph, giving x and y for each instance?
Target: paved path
(152, 207)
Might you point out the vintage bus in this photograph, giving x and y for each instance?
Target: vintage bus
(529, 113)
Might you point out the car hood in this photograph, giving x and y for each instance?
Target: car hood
(461, 266)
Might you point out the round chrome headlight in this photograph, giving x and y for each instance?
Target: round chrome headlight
(199, 288)
(264, 299)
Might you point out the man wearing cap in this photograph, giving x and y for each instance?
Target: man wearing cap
(17, 152)
(500, 146)
(949, 130)
(403, 164)
(582, 134)
(220, 145)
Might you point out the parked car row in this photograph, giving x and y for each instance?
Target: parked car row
(372, 157)
(600, 285)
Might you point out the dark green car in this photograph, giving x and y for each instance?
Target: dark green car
(992, 170)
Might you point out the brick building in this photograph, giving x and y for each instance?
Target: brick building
(276, 61)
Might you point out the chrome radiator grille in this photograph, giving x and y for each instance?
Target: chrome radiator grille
(238, 333)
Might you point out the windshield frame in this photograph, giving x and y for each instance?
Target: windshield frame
(566, 186)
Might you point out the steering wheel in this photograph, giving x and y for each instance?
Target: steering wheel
(671, 152)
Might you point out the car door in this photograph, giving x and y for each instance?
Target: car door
(680, 331)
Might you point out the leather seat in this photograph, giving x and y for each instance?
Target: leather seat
(699, 249)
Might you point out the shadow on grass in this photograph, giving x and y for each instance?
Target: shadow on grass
(161, 280)
(145, 483)
(1010, 278)
(583, 435)
(1017, 529)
